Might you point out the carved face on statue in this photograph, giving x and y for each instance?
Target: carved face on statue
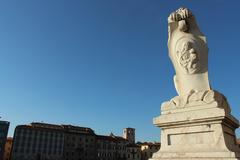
(188, 51)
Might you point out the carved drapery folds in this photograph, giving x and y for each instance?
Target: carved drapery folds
(197, 98)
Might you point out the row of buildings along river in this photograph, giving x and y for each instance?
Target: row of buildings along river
(43, 141)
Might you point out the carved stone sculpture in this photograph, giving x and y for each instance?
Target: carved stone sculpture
(196, 124)
(188, 51)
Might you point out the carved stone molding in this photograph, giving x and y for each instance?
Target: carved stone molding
(197, 98)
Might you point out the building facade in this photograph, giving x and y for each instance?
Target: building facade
(79, 143)
(133, 152)
(111, 147)
(148, 148)
(41, 141)
(38, 141)
(4, 125)
(8, 148)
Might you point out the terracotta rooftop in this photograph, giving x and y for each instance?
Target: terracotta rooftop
(37, 125)
(133, 145)
(111, 138)
(78, 129)
(149, 143)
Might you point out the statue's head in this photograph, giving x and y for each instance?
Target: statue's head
(187, 46)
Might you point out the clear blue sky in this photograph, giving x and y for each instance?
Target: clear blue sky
(104, 63)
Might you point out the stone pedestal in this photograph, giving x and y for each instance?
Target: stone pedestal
(198, 131)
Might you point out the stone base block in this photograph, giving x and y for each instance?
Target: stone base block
(196, 156)
(200, 134)
(195, 159)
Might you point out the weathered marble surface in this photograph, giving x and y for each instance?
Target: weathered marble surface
(197, 124)
(188, 51)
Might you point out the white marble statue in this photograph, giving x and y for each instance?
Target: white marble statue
(196, 124)
(188, 51)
